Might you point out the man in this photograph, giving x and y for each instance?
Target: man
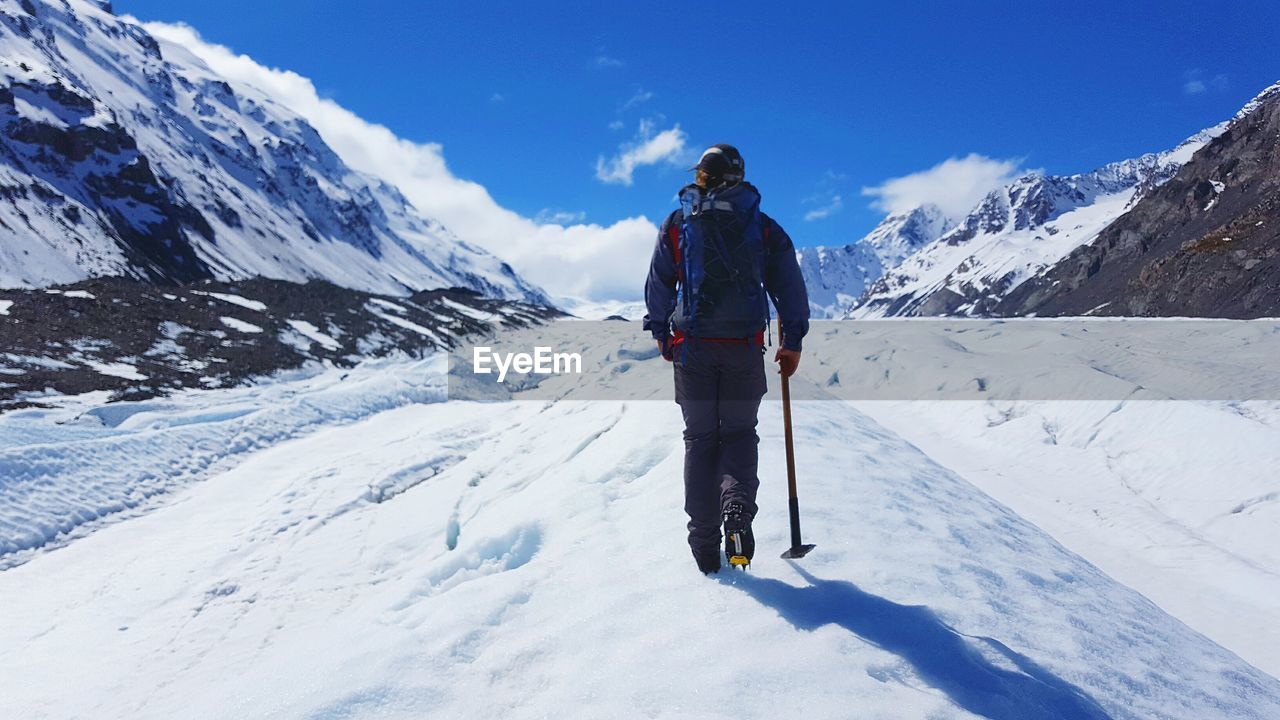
(717, 263)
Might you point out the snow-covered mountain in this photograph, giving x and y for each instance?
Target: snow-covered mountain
(835, 277)
(1203, 244)
(125, 155)
(1017, 231)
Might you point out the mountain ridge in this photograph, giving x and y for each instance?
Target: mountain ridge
(1016, 231)
(1204, 244)
(126, 155)
(836, 276)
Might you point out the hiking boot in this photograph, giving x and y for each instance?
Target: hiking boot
(739, 543)
(708, 562)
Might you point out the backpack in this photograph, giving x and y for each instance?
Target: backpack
(720, 256)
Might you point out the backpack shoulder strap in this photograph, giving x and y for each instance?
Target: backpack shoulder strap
(673, 237)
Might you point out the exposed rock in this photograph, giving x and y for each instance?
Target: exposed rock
(137, 340)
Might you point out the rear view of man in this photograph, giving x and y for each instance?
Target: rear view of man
(718, 262)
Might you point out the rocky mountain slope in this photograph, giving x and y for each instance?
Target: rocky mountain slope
(124, 155)
(835, 277)
(1015, 232)
(1206, 243)
(131, 340)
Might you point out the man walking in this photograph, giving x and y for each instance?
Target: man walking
(718, 262)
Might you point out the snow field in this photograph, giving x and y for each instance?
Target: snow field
(1175, 499)
(71, 466)
(531, 562)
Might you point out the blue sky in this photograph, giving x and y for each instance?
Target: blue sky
(823, 100)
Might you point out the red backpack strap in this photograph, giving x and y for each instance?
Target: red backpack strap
(673, 237)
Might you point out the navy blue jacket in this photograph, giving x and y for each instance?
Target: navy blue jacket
(782, 281)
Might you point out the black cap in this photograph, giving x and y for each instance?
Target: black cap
(722, 162)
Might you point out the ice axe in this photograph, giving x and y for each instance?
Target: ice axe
(797, 549)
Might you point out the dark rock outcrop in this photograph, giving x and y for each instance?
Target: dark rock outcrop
(136, 340)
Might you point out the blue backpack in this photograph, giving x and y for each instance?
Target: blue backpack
(720, 257)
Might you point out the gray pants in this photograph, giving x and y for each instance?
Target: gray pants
(719, 387)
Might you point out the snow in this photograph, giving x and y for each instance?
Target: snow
(1101, 477)
(1257, 101)
(46, 363)
(389, 305)
(4, 306)
(599, 310)
(999, 260)
(234, 300)
(81, 294)
(347, 543)
(36, 113)
(123, 370)
(1217, 190)
(255, 171)
(60, 478)
(835, 277)
(466, 310)
(421, 330)
(241, 325)
(312, 332)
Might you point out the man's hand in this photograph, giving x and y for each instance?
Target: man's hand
(665, 349)
(788, 361)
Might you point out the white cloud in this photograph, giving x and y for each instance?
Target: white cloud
(497, 98)
(617, 125)
(558, 217)
(590, 261)
(647, 149)
(828, 199)
(955, 185)
(1198, 82)
(604, 61)
(640, 97)
(832, 206)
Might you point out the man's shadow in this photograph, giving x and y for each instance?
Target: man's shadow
(942, 657)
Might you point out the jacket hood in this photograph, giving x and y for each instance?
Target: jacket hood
(737, 193)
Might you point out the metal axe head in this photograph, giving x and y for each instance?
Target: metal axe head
(798, 551)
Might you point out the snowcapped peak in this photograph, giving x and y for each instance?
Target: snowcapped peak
(1016, 231)
(135, 158)
(1265, 96)
(836, 276)
(897, 236)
